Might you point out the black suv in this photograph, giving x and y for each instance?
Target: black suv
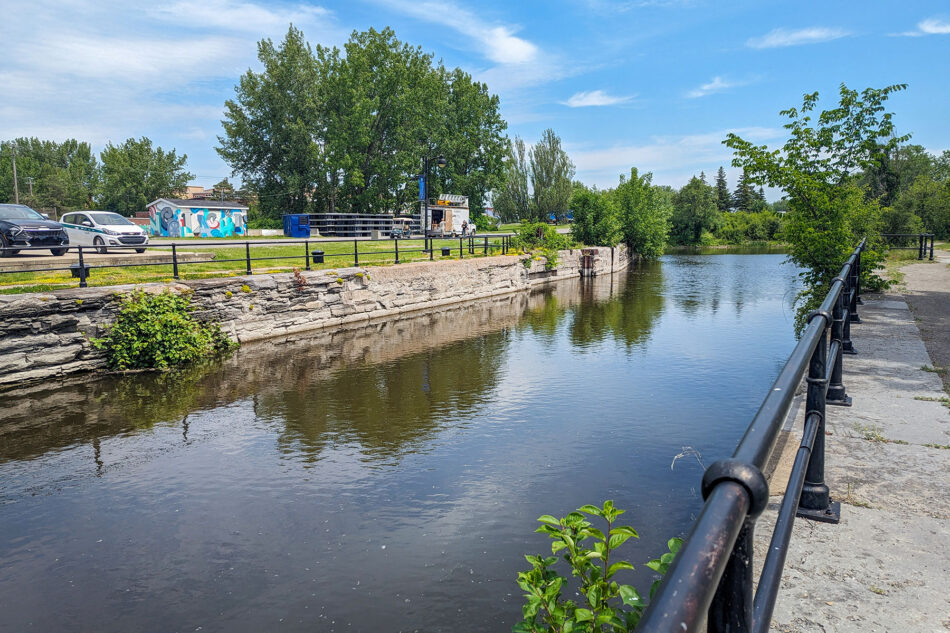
(21, 226)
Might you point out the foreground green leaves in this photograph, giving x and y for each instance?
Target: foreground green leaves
(158, 331)
(607, 605)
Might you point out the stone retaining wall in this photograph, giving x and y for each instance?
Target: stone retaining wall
(46, 334)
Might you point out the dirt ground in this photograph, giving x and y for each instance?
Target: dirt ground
(926, 289)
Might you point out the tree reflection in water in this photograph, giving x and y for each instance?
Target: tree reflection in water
(385, 388)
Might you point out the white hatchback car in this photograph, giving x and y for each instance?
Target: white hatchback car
(103, 229)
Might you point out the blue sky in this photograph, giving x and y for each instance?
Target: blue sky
(652, 84)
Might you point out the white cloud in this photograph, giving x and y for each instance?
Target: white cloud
(784, 37)
(930, 26)
(129, 60)
(595, 98)
(933, 26)
(496, 42)
(235, 16)
(718, 84)
(672, 159)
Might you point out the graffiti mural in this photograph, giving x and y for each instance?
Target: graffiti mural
(166, 220)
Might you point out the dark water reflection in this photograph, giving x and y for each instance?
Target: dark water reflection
(385, 477)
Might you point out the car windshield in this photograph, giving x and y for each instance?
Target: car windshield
(109, 219)
(18, 212)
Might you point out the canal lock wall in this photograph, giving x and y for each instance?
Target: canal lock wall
(46, 335)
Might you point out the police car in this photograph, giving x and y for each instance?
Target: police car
(103, 229)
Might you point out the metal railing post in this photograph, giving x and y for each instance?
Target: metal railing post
(396, 242)
(306, 254)
(461, 254)
(931, 247)
(82, 270)
(431, 249)
(857, 292)
(836, 391)
(486, 245)
(846, 345)
(853, 316)
(174, 259)
(920, 247)
(815, 501)
(731, 608)
(356, 253)
(247, 255)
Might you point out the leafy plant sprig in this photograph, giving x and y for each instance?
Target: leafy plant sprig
(608, 605)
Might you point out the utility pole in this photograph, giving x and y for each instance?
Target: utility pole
(16, 190)
(29, 179)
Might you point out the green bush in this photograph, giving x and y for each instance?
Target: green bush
(606, 605)
(484, 223)
(541, 239)
(741, 227)
(158, 331)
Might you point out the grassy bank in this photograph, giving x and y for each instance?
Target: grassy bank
(231, 262)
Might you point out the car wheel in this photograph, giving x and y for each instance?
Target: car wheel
(58, 251)
(140, 250)
(100, 246)
(6, 245)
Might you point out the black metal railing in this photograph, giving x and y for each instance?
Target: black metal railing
(711, 578)
(920, 242)
(312, 251)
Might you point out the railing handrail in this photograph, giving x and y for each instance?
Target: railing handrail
(711, 577)
(82, 267)
(921, 246)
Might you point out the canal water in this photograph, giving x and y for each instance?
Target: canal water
(384, 478)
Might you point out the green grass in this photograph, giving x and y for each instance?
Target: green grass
(231, 262)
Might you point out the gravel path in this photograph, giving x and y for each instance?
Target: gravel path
(926, 289)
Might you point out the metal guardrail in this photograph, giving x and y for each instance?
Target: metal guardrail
(917, 241)
(487, 243)
(711, 578)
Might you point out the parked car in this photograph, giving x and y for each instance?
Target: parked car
(103, 229)
(21, 226)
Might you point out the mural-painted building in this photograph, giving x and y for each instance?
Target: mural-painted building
(172, 217)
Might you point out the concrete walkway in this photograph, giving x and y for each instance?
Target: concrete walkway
(886, 566)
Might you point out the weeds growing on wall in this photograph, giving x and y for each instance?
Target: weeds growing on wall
(159, 331)
(606, 605)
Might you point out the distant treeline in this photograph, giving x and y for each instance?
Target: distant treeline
(65, 176)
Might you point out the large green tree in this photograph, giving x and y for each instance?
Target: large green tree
(51, 175)
(512, 199)
(273, 125)
(723, 197)
(745, 198)
(817, 169)
(644, 211)
(474, 142)
(325, 129)
(595, 218)
(134, 174)
(928, 200)
(694, 212)
(386, 107)
(551, 175)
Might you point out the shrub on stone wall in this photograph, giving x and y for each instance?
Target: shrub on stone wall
(159, 331)
(542, 240)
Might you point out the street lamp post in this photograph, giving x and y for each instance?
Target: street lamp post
(426, 217)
